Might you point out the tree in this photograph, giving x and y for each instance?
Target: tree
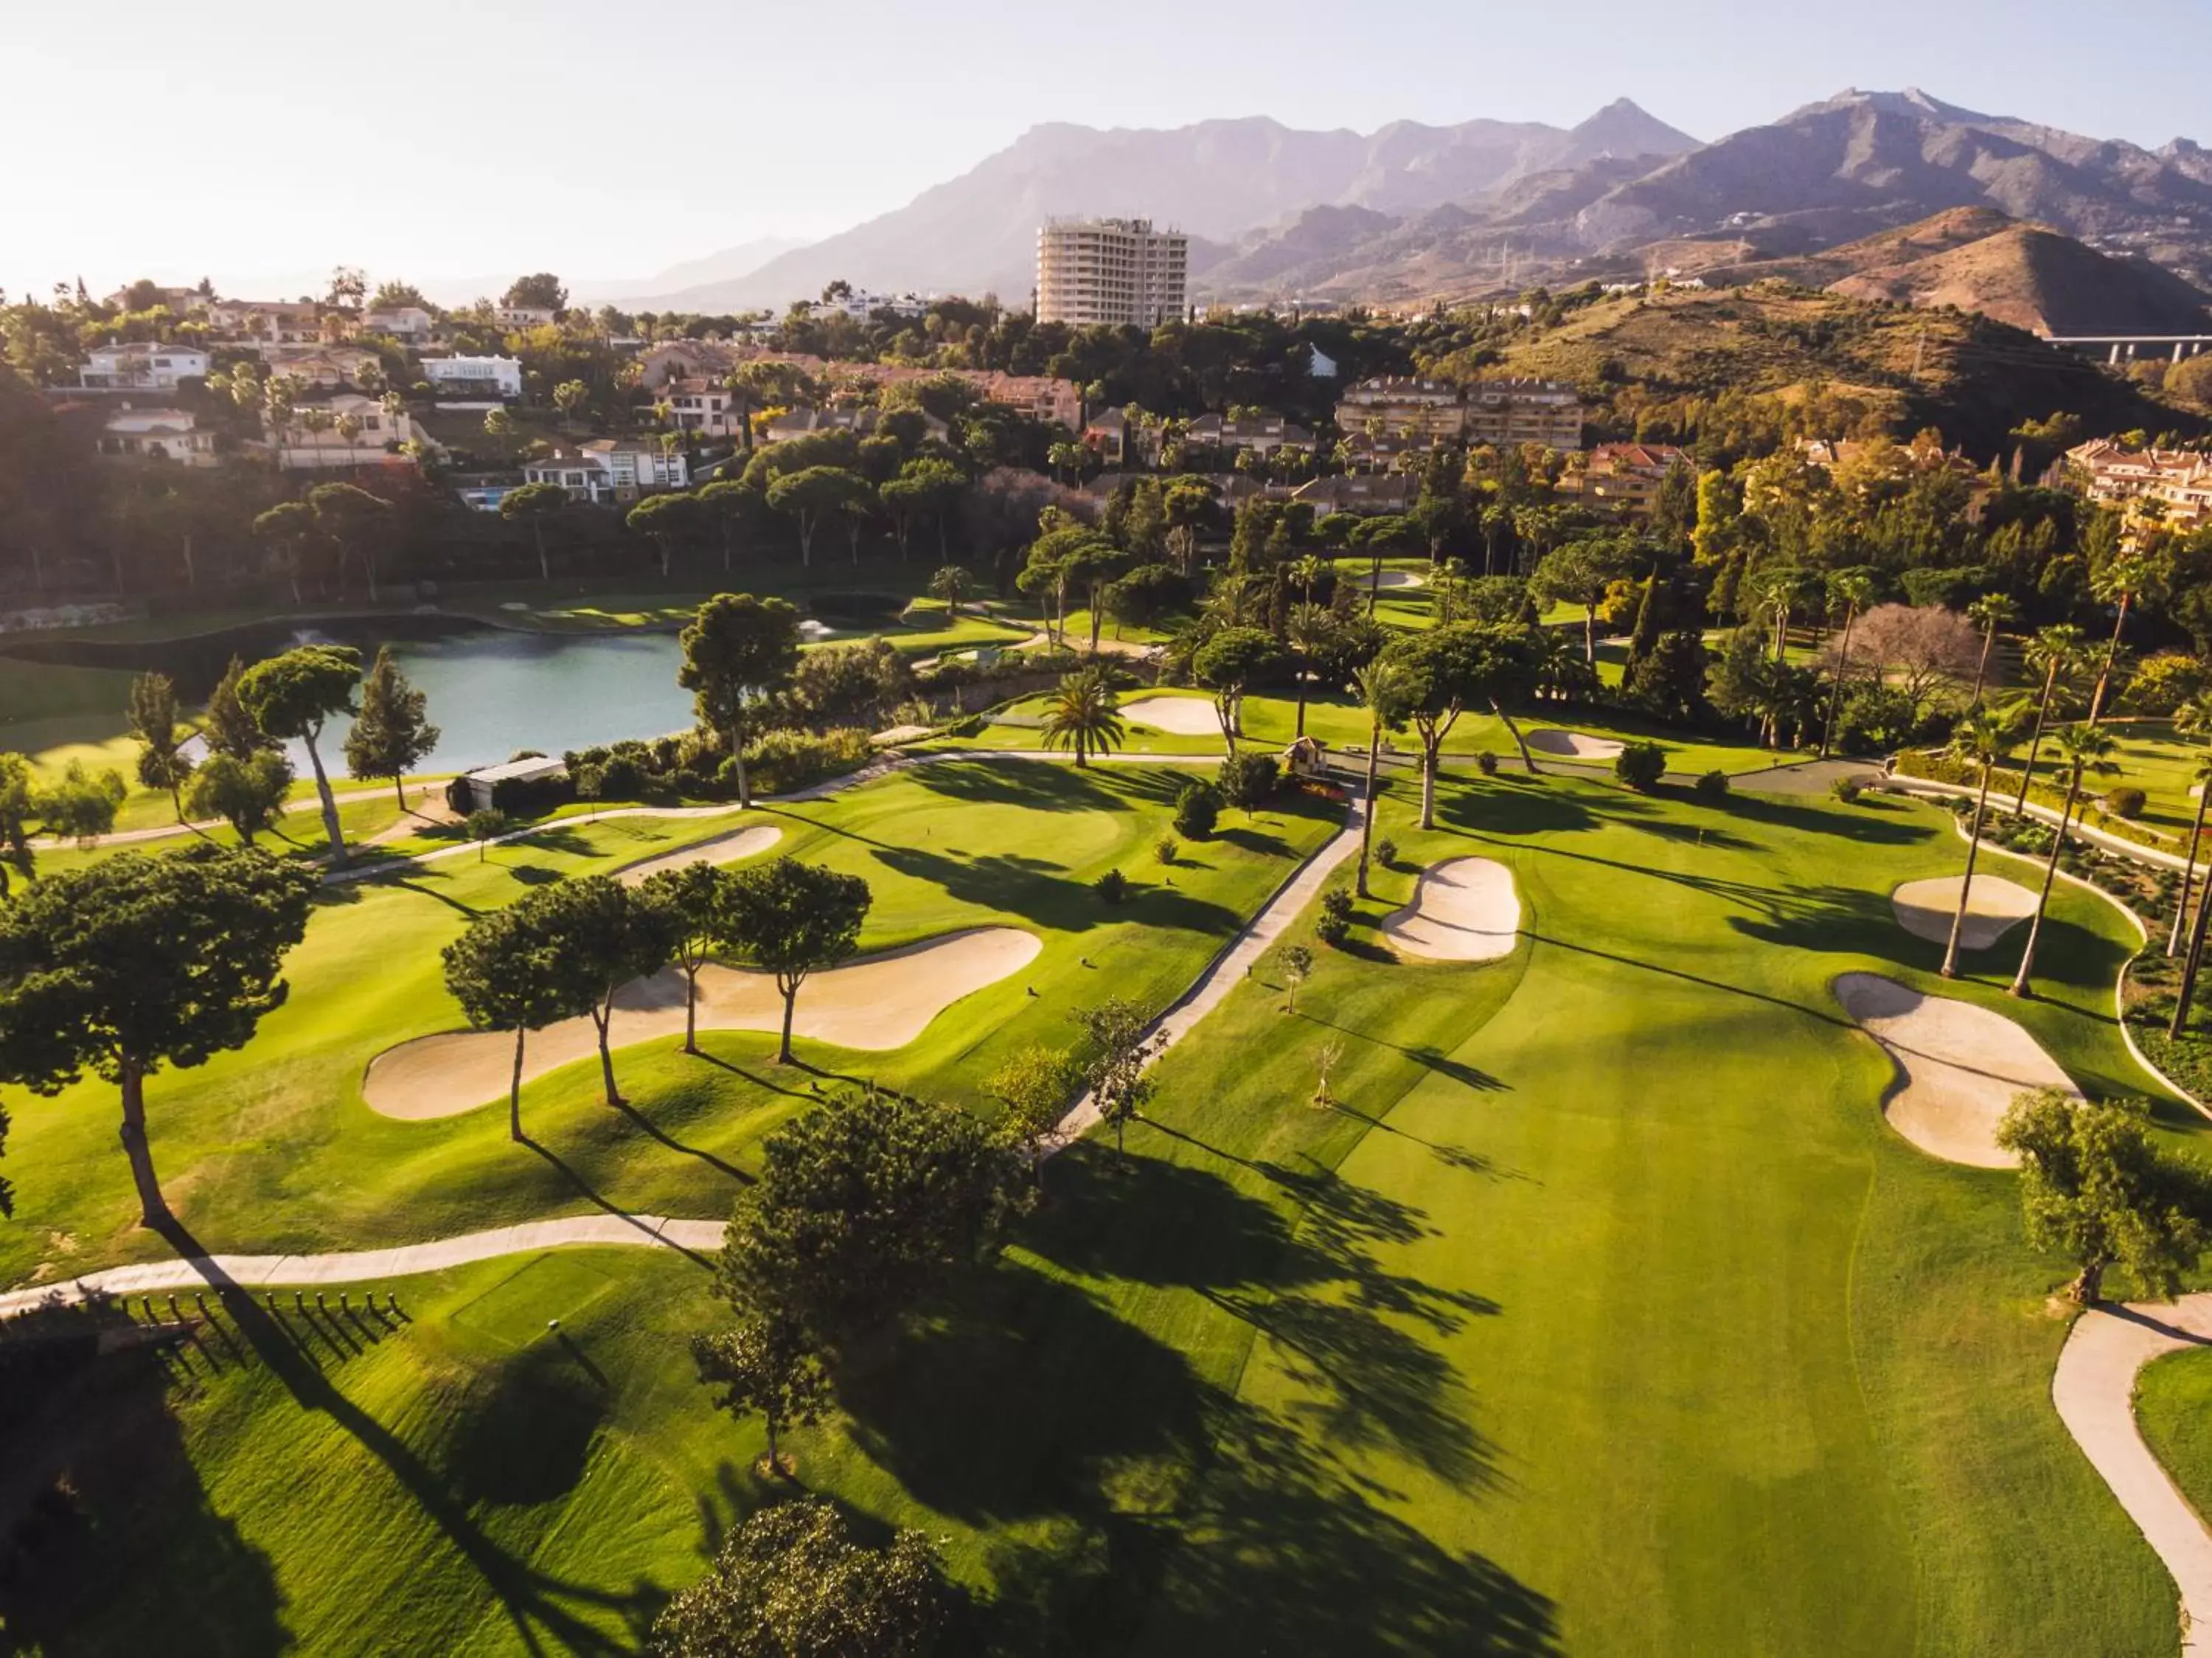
(81, 804)
(1295, 962)
(925, 486)
(1083, 714)
(813, 495)
(137, 962)
(1124, 1046)
(2058, 654)
(161, 734)
(790, 1582)
(792, 918)
(738, 651)
(1581, 573)
(536, 505)
(730, 503)
(228, 727)
(1989, 612)
(1445, 670)
(1850, 588)
(16, 809)
(665, 519)
(2088, 750)
(953, 583)
(510, 971)
(291, 696)
(2095, 1186)
(763, 1363)
(356, 522)
(248, 795)
(541, 290)
(854, 682)
(284, 529)
(570, 397)
(2193, 718)
(497, 423)
(2128, 579)
(1312, 631)
(1386, 691)
(607, 934)
(390, 735)
(1227, 663)
(1983, 738)
(1034, 1087)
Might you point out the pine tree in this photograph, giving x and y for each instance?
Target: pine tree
(161, 734)
(390, 735)
(229, 728)
(1645, 634)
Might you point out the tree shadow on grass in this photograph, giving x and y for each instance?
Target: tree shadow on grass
(630, 1109)
(586, 1190)
(1866, 829)
(1039, 785)
(533, 875)
(1827, 1015)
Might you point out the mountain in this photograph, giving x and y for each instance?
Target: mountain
(682, 287)
(1217, 180)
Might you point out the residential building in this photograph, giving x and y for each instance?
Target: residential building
(1110, 435)
(179, 300)
(523, 316)
(322, 368)
(267, 322)
(1365, 493)
(342, 431)
(1623, 478)
(2179, 481)
(1119, 271)
(861, 305)
(141, 368)
(1042, 397)
(1261, 434)
(861, 422)
(699, 405)
(411, 325)
(474, 376)
(158, 435)
(1495, 412)
(611, 469)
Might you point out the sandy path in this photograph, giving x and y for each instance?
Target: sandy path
(1463, 910)
(2093, 1389)
(1994, 908)
(737, 844)
(1574, 744)
(876, 1003)
(1184, 717)
(1961, 1066)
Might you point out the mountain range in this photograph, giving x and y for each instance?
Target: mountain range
(2072, 232)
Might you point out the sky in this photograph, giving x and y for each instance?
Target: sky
(459, 141)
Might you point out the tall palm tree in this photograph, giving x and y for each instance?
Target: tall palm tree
(2186, 995)
(1084, 714)
(1851, 589)
(2127, 578)
(1984, 737)
(2056, 653)
(2088, 751)
(1989, 612)
(2192, 719)
(1311, 628)
(1384, 690)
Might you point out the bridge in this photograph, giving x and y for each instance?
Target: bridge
(2123, 348)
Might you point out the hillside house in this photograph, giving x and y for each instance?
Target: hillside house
(610, 470)
(474, 376)
(158, 434)
(1624, 477)
(141, 368)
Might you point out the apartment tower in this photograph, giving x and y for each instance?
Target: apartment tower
(1111, 271)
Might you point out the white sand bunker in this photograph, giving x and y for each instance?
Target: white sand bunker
(1463, 910)
(1924, 909)
(1392, 578)
(1574, 743)
(1961, 1066)
(729, 848)
(875, 1003)
(1184, 717)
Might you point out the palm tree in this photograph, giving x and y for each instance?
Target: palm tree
(2056, 652)
(1083, 714)
(1984, 737)
(2088, 750)
(1989, 612)
(2186, 995)
(1852, 589)
(1384, 690)
(1312, 626)
(2192, 719)
(2127, 577)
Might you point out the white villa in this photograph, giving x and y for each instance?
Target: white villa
(141, 368)
(158, 435)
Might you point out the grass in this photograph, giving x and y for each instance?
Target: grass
(1602, 1312)
(2173, 1408)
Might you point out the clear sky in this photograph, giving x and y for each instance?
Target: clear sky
(451, 139)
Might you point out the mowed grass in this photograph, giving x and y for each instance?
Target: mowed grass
(2173, 1408)
(271, 1147)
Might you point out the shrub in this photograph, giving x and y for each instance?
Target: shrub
(2125, 802)
(1197, 809)
(622, 777)
(591, 783)
(1846, 790)
(1165, 848)
(1486, 763)
(782, 760)
(1640, 765)
(1713, 788)
(1386, 852)
(1113, 887)
(1246, 780)
(1335, 924)
(526, 754)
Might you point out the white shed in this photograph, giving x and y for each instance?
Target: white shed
(481, 783)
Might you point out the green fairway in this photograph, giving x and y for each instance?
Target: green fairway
(2173, 1407)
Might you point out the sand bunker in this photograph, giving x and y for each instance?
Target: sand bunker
(1463, 910)
(875, 1003)
(1392, 578)
(721, 849)
(1574, 744)
(1961, 1066)
(1995, 906)
(1185, 717)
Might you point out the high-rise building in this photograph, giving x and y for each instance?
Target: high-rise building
(1111, 271)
